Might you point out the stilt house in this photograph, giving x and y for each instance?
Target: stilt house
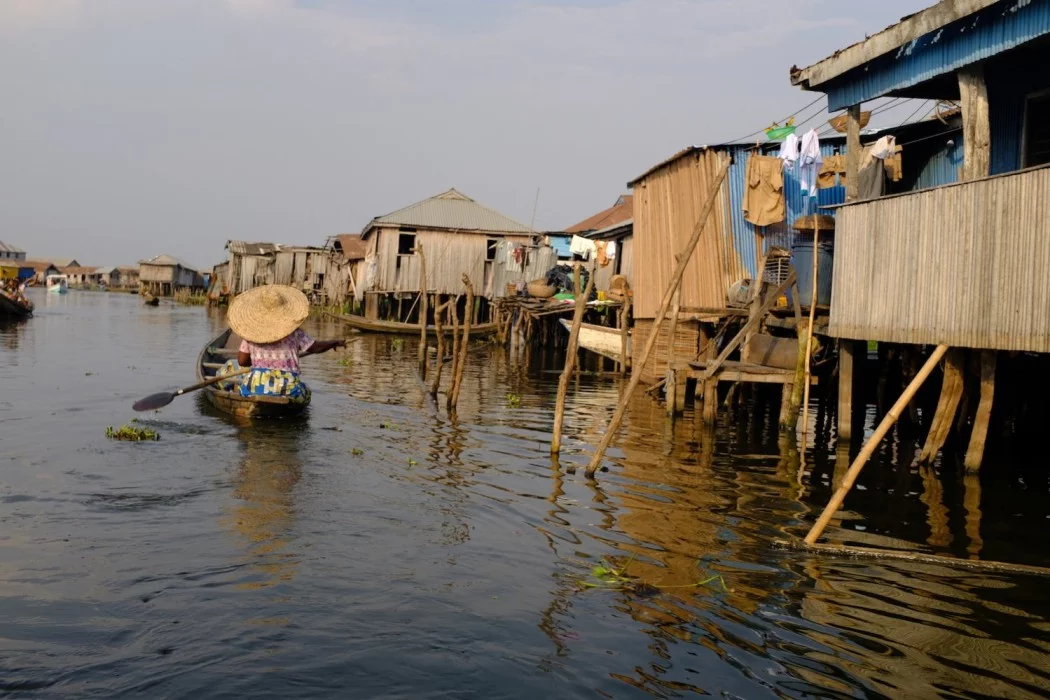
(458, 236)
(962, 264)
(165, 274)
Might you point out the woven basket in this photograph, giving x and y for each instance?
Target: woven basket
(839, 122)
(541, 290)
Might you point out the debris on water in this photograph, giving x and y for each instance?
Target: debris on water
(412, 462)
(357, 452)
(131, 433)
(607, 576)
(513, 400)
(333, 428)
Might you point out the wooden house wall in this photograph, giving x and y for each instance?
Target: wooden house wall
(667, 204)
(620, 266)
(964, 265)
(164, 274)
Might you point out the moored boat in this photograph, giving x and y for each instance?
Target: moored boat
(14, 306)
(151, 300)
(212, 358)
(57, 284)
(398, 328)
(607, 342)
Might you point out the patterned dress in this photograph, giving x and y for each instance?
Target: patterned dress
(275, 368)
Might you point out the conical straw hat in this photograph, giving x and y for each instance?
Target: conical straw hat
(268, 314)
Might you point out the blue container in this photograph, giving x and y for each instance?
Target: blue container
(802, 260)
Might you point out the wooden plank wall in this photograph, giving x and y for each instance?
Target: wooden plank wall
(965, 265)
(667, 204)
(686, 343)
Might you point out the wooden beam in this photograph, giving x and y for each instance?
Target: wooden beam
(977, 130)
(847, 348)
(947, 405)
(852, 153)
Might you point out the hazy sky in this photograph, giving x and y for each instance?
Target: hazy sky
(135, 127)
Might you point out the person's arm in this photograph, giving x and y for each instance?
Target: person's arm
(320, 346)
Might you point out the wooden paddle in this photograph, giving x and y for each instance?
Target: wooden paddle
(155, 401)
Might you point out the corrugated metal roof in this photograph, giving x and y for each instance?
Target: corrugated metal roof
(8, 248)
(621, 211)
(245, 248)
(351, 246)
(165, 260)
(613, 231)
(943, 50)
(78, 270)
(449, 210)
(106, 270)
(39, 265)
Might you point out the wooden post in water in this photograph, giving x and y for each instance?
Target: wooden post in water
(464, 346)
(435, 383)
(869, 448)
(847, 348)
(625, 314)
(683, 260)
(570, 356)
(671, 387)
(422, 312)
(975, 452)
(809, 332)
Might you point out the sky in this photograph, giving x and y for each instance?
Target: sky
(132, 128)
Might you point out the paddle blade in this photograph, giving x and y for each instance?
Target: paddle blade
(154, 401)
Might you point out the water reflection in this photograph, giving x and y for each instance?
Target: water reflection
(263, 511)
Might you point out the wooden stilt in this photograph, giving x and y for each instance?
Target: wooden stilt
(625, 329)
(464, 346)
(785, 404)
(683, 260)
(670, 390)
(847, 348)
(951, 392)
(570, 357)
(422, 312)
(711, 401)
(972, 503)
(435, 383)
(809, 334)
(873, 442)
(975, 453)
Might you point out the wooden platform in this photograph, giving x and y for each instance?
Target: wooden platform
(683, 375)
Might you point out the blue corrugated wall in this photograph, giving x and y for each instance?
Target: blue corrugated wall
(982, 35)
(797, 204)
(942, 167)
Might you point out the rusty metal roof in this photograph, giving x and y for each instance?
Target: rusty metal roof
(619, 212)
(451, 210)
(351, 246)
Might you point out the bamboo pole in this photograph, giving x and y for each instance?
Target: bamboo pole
(809, 332)
(464, 346)
(435, 383)
(570, 356)
(869, 448)
(422, 312)
(676, 280)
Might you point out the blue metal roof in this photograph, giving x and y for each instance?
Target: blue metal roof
(993, 30)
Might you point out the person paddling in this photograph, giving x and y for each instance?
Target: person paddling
(267, 319)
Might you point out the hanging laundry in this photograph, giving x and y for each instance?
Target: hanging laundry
(600, 247)
(871, 182)
(810, 160)
(832, 167)
(764, 196)
(583, 247)
(789, 151)
(895, 166)
(610, 250)
(514, 258)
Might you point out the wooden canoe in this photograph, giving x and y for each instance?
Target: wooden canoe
(214, 356)
(10, 307)
(152, 301)
(602, 340)
(397, 328)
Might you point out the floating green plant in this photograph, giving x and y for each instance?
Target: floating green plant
(412, 462)
(513, 400)
(357, 452)
(346, 362)
(131, 433)
(609, 577)
(397, 343)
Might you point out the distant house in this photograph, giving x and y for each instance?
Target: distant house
(129, 277)
(80, 276)
(458, 235)
(613, 226)
(65, 262)
(109, 276)
(165, 274)
(41, 269)
(10, 252)
(316, 271)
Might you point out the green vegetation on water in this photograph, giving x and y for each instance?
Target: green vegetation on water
(131, 433)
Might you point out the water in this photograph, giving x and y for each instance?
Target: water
(377, 548)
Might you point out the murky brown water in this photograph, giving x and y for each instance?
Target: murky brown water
(377, 548)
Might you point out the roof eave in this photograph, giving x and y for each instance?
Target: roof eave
(890, 39)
